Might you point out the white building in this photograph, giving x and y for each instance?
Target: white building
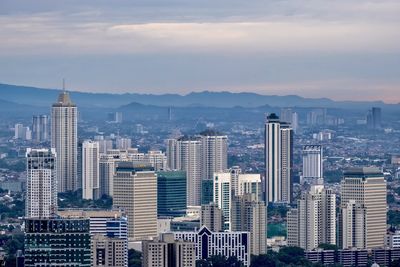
(64, 140)
(313, 222)
(123, 143)
(278, 160)
(41, 183)
(363, 203)
(90, 170)
(312, 164)
(222, 195)
(218, 243)
(40, 128)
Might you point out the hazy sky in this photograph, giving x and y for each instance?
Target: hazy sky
(342, 49)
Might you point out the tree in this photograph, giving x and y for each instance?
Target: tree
(134, 258)
(219, 261)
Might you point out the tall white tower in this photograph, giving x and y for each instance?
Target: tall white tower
(278, 160)
(90, 170)
(214, 153)
(312, 164)
(41, 183)
(64, 140)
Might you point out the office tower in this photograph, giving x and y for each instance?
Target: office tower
(105, 145)
(171, 193)
(108, 251)
(40, 128)
(214, 153)
(64, 140)
(278, 160)
(135, 190)
(313, 164)
(210, 243)
(157, 159)
(211, 216)
(374, 118)
(363, 203)
(313, 222)
(90, 170)
(57, 242)
(123, 143)
(41, 183)
(248, 214)
(249, 184)
(222, 195)
(185, 154)
(165, 251)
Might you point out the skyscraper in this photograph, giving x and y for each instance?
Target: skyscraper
(214, 153)
(135, 191)
(90, 170)
(313, 221)
(222, 195)
(248, 214)
(211, 216)
(312, 164)
(185, 154)
(64, 140)
(363, 206)
(278, 160)
(41, 183)
(171, 193)
(40, 128)
(374, 120)
(57, 242)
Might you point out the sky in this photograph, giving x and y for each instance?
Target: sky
(340, 49)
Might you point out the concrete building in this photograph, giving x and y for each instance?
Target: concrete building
(185, 154)
(248, 214)
(278, 160)
(218, 243)
(90, 170)
(313, 222)
(135, 191)
(64, 140)
(249, 184)
(41, 183)
(166, 251)
(212, 217)
(123, 143)
(312, 164)
(222, 195)
(363, 208)
(108, 251)
(67, 242)
(40, 128)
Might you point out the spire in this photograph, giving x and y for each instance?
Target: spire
(63, 98)
(64, 85)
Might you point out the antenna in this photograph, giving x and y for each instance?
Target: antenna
(64, 85)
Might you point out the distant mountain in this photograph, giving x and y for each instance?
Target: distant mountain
(45, 97)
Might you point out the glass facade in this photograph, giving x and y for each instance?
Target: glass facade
(171, 193)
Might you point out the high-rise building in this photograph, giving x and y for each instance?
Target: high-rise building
(210, 243)
(123, 143)
(107, 165)
(286, 115)
(295, 122)
(171, 193)
(312, 164)
(211, 216)
(313, 222)
(248, 214)
(249, 183)
(278, 160)
(41, 183)
(222, 195)
(214, 153)
(114, 117)
(135, 191)
(166, 251)
(374, 120)
(40, 128)
(90, 170)
(21, 132)
(185, 154)
(64, 140)
(105, 145)
(57, 242)
(363, 208)
(157, 159)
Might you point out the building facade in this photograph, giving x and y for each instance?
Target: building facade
(41, 183)
(312, 164)
(171, 193)
(90, 170)
(40, 128)
(64, 116)
(212, 217)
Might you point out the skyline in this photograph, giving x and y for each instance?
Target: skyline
(343, 50)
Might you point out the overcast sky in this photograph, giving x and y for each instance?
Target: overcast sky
(341, 49)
